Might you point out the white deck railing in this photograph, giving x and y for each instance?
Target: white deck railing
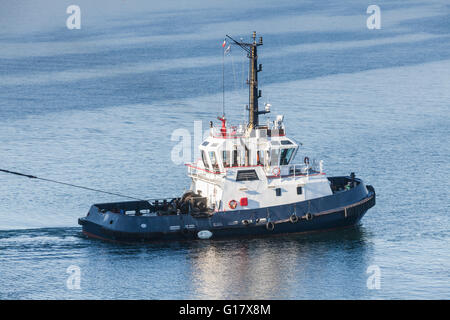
(313, 168)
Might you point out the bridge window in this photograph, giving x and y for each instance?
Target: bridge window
(213, 158)
(260, 158)
(205, 163)
(235, 158)
(274, 158)
(247, 157)
(226, 158)
(286, 156)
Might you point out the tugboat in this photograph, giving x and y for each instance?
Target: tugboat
(245, 184)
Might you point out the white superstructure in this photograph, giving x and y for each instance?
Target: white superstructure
(249, 168)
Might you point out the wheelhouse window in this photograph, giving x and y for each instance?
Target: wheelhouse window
(285, 142)
(235, 158)
(247, 156)
(274, 157)
(260, 158)
(226, 157)
(286, 155)
(205, 163)
(214, 163)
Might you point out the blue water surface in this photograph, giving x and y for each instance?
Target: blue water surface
(97, 107)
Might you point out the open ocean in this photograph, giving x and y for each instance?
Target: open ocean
(97, 107)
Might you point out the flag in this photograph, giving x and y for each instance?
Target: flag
(224, 43)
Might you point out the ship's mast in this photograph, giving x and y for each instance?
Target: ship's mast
(254, 93)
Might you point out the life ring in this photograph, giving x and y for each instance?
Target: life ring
(276, 171)
(306, 160)
(293, 218)
(232, 204)
(270, 226)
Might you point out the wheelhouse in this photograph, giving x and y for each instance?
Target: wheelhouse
(262, 147)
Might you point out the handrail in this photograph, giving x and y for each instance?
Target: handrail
(228, 133)
(221, 172)
(291, 167)
(296, 169)
(206, 170)
(292, 175)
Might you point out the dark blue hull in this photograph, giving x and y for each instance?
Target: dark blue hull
(342, 209)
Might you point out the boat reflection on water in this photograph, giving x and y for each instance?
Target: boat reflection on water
(326, 265)
(300, 266)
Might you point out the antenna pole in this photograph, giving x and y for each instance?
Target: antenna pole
(223, 82)
(253, 85)
(254, 93)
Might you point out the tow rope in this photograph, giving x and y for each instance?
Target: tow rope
(68, 184)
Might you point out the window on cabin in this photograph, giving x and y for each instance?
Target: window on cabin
(235, 158)
(274, 157)
(215, 164)
(247, 156)
(260, 158)
(286, 156)
(205, 163)
(226, 157)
